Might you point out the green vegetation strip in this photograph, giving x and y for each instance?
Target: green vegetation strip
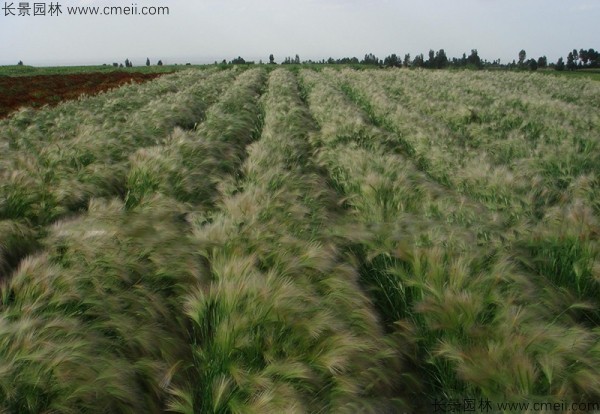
(471, 317)
(272, 240)
(283, 325)
(95, 322)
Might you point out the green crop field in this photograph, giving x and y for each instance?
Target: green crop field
(253, 240)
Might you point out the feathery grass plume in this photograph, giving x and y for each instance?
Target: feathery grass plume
(563, 248)
(411, 103)
(333, 241)
(17, 240)
(283, 326)
(467, 312)
(94, 323)
(189, 165)
(70, 168)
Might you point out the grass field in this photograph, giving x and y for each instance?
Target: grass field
(25, 70)
(593, 74)
(265, 240)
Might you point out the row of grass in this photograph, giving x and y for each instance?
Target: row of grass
(473, 320)
(283, 326)
(49, 176)
(503, 135)
(52, 172)
(548, 188)
(94, 322)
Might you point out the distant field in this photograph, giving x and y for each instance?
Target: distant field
(593, 74)
(15, 70)
(267, 240)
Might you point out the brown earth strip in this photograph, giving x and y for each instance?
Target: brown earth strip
(37, 91)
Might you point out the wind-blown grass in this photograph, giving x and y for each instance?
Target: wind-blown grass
(259, 240)
(446, 280)
(283, 326)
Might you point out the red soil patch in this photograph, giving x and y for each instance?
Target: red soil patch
(36, 91)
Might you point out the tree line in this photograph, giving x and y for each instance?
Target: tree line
(582, 59)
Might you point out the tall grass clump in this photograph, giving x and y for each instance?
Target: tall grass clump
(283, 326)
(189, 164)
(93, 322)
(59, 170)
(444, 270)
(17, 240)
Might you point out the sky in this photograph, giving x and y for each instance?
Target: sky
(204, 31)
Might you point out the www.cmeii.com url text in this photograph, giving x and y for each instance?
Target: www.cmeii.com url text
(26, 9)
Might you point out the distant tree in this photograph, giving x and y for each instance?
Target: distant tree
(160, 63)
(238, 61)
(347, 61)
(126, 63)
(441, 60)
(115, 64)
(406, 62)
(532, 64)
(370, 59)
(474, 59)
(392, 61)
(120, 65)
(560, 64)
(571, 62)
(431, 60)
(297, 60)
(522, 57)
(594, 58)
(418, 61)
(147, 61)
(542, 62)
(584, 57)
(20, 63)
(272, 59)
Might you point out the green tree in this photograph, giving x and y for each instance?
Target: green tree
(532, 64)
(522, 57)
(392, 61)
(571, 61)
(594, 58)
(542, 62)
(272, 59)
(474, 59)
(419, 61)
(370, 59)
(431, 60)
(147, 61)
(441, 60)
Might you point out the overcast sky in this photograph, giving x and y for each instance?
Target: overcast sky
(202, 31)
